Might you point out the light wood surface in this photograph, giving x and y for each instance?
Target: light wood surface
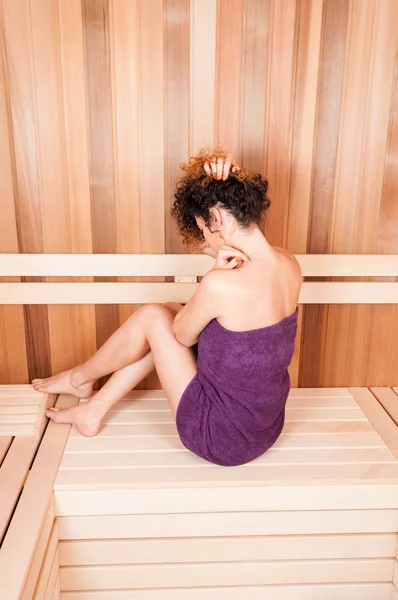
(102, 101)
(23, 538)
(369, 591)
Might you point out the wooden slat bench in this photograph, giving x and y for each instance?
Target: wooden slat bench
(135, 515)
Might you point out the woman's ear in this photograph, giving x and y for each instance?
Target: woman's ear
(215, 219)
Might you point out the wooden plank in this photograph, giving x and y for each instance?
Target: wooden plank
(203, 65)
(43, 542)
(395, 576)
(23, 534)
(185, 458)
(289, 547)
(378, 417)
(295, 395)
(176, 31)
(365, 361)
(280, 97)
(70, 21)
(387, 241)
(141, 293)
(13, 366)
(255, 57)
(308, 415)
(312, 233)
(365, 591)
(125, 79)
(18, 410)
(57, 588)
(228, 78)
(267, 474)
(225, 499)
(160, 403)
(173, 442)
(152, 264)
(5, 443)
(225, 573)
(152, 190)
(312, 592)
(53, 577)
(18, 41)
(295, 428)
(100, 121)
(233, 523)
(388, 399)
(15, 468)
(47, 565)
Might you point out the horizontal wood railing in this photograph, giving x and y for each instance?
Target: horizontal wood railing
(185, 269)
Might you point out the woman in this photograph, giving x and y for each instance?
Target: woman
(222, 358)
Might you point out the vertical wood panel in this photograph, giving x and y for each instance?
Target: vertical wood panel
(203, 65)
(176, 104)
(22, 93)
(152, 123)
(98, 85)
(100, 102)
(351, 133)
(307, 71)
(330, 80)
(370, 366)
(77, 165)
(228, 76)
(280, 100)
(254, 81)
(152, 148)
(13, 362)
(52, 164)
(387, 242)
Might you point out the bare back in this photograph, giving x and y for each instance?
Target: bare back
(261, 292)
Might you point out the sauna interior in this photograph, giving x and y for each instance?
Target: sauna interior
(101, 101)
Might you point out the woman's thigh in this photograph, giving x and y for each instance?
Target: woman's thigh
(175, 364)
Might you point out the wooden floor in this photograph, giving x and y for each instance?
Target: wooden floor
(139, 516)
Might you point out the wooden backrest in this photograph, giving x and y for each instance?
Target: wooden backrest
(185, 268)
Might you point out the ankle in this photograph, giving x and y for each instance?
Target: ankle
(77, 377)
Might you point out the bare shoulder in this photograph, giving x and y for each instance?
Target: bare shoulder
(291, 260)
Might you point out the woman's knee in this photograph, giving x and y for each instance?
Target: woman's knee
(156, 313)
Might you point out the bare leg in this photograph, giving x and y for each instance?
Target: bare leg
(175, 365)
(87, 416)
(124, 347)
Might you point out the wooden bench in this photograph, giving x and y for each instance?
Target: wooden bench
(138, 516)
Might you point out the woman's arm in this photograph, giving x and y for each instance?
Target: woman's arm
(199, 311)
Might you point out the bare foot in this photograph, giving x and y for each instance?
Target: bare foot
(63, 383)
(81, 416)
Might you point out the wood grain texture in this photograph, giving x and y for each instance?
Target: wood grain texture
(101, 101)
(330, 79)
(228, 80)
(176, 14)
(23, 121)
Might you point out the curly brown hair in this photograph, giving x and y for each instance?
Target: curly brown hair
(243, 194)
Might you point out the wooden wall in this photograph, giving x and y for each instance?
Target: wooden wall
(101, 100)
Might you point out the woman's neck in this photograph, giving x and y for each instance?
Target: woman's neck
(253, 243)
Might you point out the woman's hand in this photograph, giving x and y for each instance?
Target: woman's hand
(230, 258)
(206, 249)
(219, 168)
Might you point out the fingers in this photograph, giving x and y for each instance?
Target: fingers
(208, 168)
(230, 251)
(219, 168)
(234, 263)
(227, 166)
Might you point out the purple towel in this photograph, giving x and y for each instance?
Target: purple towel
(233, 410)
